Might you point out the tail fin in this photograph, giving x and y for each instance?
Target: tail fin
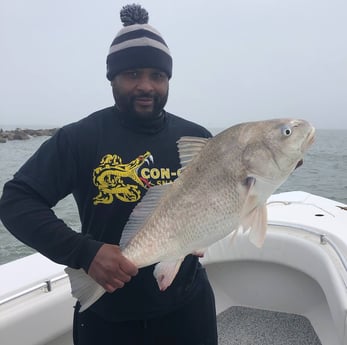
(84, 288)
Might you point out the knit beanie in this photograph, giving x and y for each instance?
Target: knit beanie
(137, 45)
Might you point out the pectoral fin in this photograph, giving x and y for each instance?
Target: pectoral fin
(254, 212)
(256, 221)
(165, 272)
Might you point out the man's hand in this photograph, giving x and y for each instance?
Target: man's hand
(110, 268)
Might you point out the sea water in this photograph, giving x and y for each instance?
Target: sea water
(323, 173)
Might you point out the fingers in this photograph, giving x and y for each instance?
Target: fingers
(111, 287)
(128, 267)
(114, 280)
(111, 269)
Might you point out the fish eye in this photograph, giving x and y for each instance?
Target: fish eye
(286, 131)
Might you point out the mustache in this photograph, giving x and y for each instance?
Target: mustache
(146, 95)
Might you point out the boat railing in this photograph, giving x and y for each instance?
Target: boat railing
(46, 286)
(323, 238)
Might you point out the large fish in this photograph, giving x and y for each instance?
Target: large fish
(224, 185)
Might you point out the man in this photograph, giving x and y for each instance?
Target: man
(103, 161)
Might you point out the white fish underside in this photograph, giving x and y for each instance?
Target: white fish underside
(224, 186)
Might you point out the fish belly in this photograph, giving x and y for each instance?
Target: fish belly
(173, 235)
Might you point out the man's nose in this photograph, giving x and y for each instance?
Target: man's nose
(145, 84)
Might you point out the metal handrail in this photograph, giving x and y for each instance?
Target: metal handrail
(324, 238)
(46, 286)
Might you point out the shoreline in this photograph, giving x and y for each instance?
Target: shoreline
(24, 134)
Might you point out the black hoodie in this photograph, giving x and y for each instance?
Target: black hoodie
(104, 161)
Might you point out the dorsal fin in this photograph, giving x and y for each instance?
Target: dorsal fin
(141, 212)
(189, 147)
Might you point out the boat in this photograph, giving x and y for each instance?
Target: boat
(293, 290)
(299, 276)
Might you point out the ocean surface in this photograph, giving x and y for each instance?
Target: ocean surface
(324, 173)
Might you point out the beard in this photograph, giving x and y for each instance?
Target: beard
(127, 104)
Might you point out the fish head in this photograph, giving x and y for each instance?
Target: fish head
(274, 148)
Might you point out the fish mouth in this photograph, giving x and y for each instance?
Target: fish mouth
(310, 138)
(299, 164)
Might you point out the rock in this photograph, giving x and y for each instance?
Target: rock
(24, 134)
(19, 134)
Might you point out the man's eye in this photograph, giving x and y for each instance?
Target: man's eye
(131, 74)
(158, 76)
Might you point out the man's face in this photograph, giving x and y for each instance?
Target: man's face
(142, 92)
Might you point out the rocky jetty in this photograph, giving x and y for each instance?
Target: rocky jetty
(24, 134)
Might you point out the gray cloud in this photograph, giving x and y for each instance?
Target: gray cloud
(234, 61)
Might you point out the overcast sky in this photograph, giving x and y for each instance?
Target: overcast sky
(234, 60)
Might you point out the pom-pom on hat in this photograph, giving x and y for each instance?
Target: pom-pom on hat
(137, 45)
